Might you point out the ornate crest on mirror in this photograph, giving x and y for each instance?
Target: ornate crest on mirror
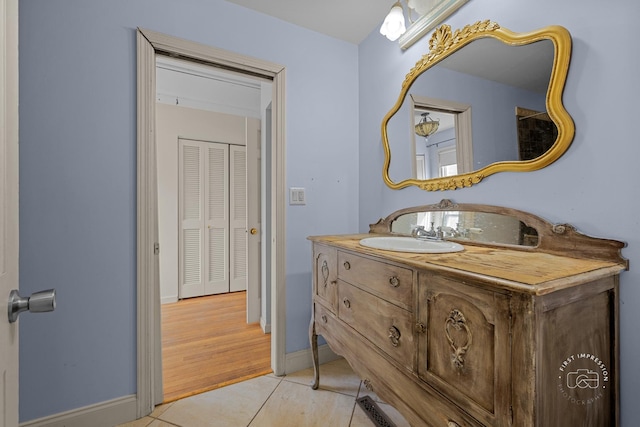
(497, 96)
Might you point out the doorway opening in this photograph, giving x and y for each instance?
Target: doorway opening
(449, 150)
(150, 46)
(210, 125)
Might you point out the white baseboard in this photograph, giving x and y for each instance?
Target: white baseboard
(169, 300)
(266, 327)
(303, 359)
(103, 414)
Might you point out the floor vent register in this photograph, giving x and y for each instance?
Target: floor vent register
(374, 412)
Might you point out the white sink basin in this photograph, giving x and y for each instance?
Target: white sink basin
(410, 244)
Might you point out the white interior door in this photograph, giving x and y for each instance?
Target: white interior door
(191, 221)
(238, 218)
(254, 226)
(204, 218)
(216, 254)
(8, 208)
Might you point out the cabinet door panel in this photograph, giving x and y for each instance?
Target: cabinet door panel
(464, 350)
(325, 273)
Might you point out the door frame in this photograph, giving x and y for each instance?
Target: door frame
(9, 230)
(462, 112)
(149, 364)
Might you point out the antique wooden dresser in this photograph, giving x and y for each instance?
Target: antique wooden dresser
(523, 333)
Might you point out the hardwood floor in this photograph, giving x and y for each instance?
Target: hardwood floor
(207, 344)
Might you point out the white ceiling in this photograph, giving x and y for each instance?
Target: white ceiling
(351, 20)
(354, 20)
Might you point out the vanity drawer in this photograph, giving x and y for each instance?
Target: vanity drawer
(325, 275)
(391, 282)
(324, 319)
(386, 325)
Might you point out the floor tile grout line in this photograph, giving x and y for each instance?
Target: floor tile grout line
(160, 419)
(355, 403)
(325, 389)
(266, 400)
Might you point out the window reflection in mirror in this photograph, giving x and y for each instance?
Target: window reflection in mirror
(470, 226)
(436, 153)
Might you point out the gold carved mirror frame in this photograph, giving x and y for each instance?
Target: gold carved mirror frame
(442, 44)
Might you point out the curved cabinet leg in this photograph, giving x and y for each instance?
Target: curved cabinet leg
(313, 340)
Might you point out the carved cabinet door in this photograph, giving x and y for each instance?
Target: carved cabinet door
(464, 345)
(325, 271)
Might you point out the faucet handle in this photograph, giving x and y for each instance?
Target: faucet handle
(415, 231)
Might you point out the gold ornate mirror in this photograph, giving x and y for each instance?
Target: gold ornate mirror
(497, 96)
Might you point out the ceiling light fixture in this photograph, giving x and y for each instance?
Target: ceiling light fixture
(427, 126)
(393, 25)
(422, 7)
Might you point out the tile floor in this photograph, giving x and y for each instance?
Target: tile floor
(271, 401)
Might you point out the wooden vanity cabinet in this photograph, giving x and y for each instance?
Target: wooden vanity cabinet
(485, 337)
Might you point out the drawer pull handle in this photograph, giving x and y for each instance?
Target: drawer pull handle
(394, 281)
(394, 336)
(324, 318)
(452, 424)
(457, 321)
(347, 266)
(325, 272)
(346, 303)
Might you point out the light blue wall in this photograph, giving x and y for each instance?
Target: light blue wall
(78, 180)
(77, 148)
(593, 186)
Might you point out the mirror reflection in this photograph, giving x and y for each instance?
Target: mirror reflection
(494, 81)
(436, 154)
(500, 94)
(469, 226)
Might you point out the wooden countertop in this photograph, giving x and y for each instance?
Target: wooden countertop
(529, 271)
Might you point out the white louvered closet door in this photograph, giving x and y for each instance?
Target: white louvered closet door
(204, 218)
(238, 218)
(190, 263)
(217, 214)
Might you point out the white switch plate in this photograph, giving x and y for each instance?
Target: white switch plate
(297, 196)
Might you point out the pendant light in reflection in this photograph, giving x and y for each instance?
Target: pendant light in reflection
(427, 126)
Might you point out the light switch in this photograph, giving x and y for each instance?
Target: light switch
(297, 196)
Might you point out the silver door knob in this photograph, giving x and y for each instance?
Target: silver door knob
(39, 302)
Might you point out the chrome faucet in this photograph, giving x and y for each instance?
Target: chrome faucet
(457, 232)
(461, 232)
(419, 232)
